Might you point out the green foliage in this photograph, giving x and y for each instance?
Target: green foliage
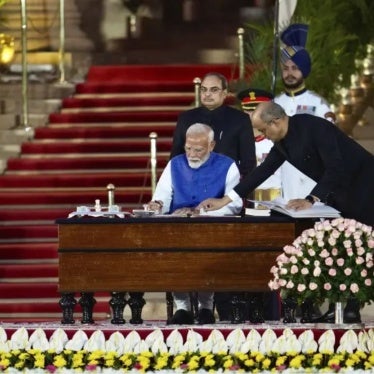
(339, 32)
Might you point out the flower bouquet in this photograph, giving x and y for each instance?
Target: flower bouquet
(333, 260)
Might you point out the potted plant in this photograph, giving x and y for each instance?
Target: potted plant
(333, 261)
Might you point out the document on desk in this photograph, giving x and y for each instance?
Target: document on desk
(318, 210)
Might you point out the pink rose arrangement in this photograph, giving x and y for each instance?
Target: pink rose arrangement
(333, 260)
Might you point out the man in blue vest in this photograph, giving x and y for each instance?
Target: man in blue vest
(186, 181)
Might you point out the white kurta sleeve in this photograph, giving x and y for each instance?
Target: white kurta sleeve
(164, 189)
(232, 179)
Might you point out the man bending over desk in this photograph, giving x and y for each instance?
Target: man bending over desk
(187, 180)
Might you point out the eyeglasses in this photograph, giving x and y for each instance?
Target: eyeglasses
(212, 90)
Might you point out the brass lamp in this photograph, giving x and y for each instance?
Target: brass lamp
(7, 49)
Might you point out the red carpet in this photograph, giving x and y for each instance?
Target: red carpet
(100, 136)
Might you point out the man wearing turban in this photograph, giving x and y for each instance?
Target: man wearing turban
(297, 99)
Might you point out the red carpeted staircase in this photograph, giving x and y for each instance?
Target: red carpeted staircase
(100, 136)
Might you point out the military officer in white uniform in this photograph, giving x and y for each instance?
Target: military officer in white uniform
(297, 99)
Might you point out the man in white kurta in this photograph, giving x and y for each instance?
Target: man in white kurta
(187, 180)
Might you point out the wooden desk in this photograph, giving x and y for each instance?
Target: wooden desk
(168, 254)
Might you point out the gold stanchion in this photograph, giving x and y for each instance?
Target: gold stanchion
(25, 109)
(153, 137)
(197, 83)
(61, 51)
(241, 52)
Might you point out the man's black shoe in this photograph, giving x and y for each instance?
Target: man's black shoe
(205, 317)
(182, 317)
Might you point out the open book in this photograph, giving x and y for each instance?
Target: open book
(318, 210)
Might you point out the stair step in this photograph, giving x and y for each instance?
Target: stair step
(119, 179)
(114, 117)
(72, 197)
(152, 73)
(98, 131)
(14, 271)
(73, 102)
(28, 232)
(127, 145)
(26, 251)
(119, 162)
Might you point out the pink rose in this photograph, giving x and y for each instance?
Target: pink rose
(329, 261)
(273, 285)
(359, 260)
(311, 252)
(354, 288)
(340, 261)
(290, 284)
(348, 271)
(367, 282)
(274, 270)
(364, 273)
(334, 251)
(360, 251)
(294, 269)
(324, 253)
(332, 272)
(327, 286)
(301, 287)
(349, 252)
(313, 286)
(304, 271)
(332, 241)
(282, 282)
(317, 272)
(342, 287)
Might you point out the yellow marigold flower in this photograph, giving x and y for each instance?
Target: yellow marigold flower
(92, 362)
(161, 362)
(109, 362)
(361, 354)
(4, 363)
(259, 357)
(228, 363)
(127, 362)
(24, 356)
(280, 360)
(296, 362)
(209, 361)
(316, 361)
(266, 363)
(144, 362)
(355, 357)
(333, 361)
(349, 362)
(193, 364)
(39, 360)
(250, 362)
(96, 355)
(367, 365)
(19, 364)
(59, 361)
(111, 355)
(241, 356)
(371, 358)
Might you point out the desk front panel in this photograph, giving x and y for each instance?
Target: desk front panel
(170, 256)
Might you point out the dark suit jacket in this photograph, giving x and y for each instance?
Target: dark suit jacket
(343, 170)
(233, 134)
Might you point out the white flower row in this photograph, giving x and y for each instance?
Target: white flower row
(155, 342)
